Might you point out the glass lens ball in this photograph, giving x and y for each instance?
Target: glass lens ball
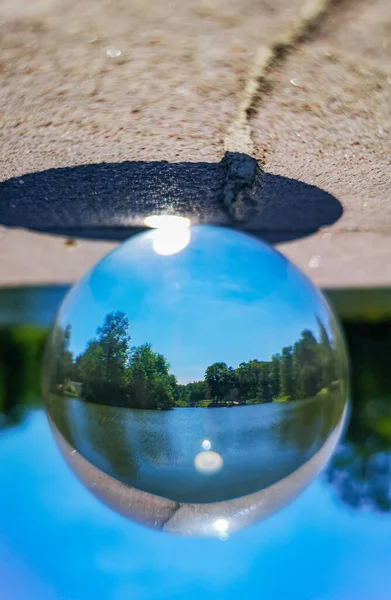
(196, 380)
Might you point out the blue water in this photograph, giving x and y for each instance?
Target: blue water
(57, 542)
(155, 450)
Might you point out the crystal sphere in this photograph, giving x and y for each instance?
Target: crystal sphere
(195, 380)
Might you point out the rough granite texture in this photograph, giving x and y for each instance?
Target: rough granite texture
(317, 120)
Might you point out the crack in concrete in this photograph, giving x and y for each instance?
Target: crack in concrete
(243, 169)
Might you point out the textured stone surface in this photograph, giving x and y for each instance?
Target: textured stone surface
(31, 258)
(343, 259)
(327, 120)
(319, 119)
(169, 95)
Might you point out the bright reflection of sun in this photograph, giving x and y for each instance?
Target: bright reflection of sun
(221, 525)
(171, 235)
(159, 221)
(208, 463)
(206, 444)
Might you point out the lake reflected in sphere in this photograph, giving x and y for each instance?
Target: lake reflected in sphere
(195, 380)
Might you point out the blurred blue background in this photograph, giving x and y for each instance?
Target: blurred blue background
(58, 542)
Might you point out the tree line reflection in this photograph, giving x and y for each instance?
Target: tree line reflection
(111, 371)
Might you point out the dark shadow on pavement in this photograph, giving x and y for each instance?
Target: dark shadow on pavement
(111, 200)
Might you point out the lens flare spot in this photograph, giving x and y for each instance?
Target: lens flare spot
(208, 463)
(221, 525)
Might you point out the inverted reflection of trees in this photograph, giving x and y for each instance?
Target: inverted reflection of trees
(111, 371)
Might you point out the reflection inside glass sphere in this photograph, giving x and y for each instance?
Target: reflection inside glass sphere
(196, 383)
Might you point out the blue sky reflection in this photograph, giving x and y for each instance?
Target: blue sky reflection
(224, 297)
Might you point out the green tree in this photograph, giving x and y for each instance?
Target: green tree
(103, 365)
(219, 380)
(253, 381)
(287, 387)
(264, 392)
(60, 360)
(326, 356)
(149, 382)
(248, 378)
(190, 393)
(21, 351)
(307, 366)
(91, 371)
(274, 376)
(114, 338)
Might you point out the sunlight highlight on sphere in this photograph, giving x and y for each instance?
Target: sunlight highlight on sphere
(171, 235)
(167, 222)
(208, 462)
(195, 377)
(221, 525)
(168, 241)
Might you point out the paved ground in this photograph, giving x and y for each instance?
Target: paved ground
(297, 93)
(327, 122)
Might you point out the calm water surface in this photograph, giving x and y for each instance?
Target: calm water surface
(155, 450)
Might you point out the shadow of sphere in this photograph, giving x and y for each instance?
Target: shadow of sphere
(111, 200)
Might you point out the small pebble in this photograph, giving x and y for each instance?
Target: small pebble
(70, 244)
